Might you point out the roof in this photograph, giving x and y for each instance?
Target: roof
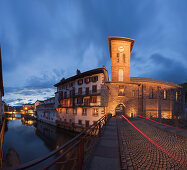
(142, 79)
(119, 38)
(1, 75)
(81, 75)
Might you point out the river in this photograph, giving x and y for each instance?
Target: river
(31, 139)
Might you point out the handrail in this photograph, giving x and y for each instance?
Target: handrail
(93, 130)
(1, 143)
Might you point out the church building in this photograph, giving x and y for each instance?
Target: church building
(84, 98)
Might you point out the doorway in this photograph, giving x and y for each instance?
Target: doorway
(120, 109)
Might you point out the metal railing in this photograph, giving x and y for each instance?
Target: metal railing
(72, 154)
(1, 143)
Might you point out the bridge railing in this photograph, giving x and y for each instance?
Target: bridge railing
(1, 143)
(72, 154)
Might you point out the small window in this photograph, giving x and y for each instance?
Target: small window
(86, 102)
(87, 80)
(95, 112)
(67, 111)
(79, 100)
(94, 89)
(80, 91)
(121, 91)
(165, 95)
(80, 81)
(87, 122)
(65, 94)
(176, 96)
(123, 57)
(87, 90)
(74, 111)
(84, 112)
(80, 122)
(118, 57)
(95, 79)
(93, 99)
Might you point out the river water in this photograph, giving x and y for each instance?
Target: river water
(31, 139)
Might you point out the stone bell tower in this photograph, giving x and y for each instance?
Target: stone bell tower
(120, 50)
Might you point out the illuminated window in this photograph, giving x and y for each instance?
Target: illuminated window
(84, 112)
(165, 94)
(95, 112)
(176, 96)
(74, 111)
(120, 78)
(121, 91)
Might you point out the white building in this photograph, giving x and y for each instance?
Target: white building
(81, 100)
(46, 111)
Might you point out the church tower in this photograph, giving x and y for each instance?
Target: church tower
(120, 50)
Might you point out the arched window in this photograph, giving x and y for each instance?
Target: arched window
(120, 76)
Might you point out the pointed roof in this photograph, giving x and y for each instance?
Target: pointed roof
(1, 75)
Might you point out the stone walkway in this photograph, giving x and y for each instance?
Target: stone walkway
(106, 154)
(137, 152)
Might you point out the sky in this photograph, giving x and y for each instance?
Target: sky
(45, 40)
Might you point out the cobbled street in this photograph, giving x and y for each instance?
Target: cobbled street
(137, 152)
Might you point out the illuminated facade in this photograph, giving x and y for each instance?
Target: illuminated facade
(80, 100)
(144, 96)
(85, 97)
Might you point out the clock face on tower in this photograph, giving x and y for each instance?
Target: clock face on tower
(120, 49)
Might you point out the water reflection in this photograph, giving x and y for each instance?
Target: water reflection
(31, 139)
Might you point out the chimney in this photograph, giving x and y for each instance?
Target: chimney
(78, 72)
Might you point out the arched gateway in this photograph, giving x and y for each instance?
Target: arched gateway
(120, 109)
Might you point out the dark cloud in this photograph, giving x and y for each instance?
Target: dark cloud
(43, 41)
(166, 69)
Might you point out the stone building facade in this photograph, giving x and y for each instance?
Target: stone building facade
(139, 96)
(78, 103)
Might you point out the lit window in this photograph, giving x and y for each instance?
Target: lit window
(95, 112)
(176, 96)
(84, 112)
(120, 78)
(165, 94)
(74, 111)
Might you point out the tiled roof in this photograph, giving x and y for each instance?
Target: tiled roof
(81, 75)
(142, 79)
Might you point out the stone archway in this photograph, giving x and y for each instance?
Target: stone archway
(120, 109)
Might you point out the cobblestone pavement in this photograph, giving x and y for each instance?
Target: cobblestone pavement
(137, 152)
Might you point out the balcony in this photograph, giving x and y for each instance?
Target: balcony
(85, 93)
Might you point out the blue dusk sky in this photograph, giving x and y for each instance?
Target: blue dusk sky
(45, 40)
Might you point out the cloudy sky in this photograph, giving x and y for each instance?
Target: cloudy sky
(45, 40)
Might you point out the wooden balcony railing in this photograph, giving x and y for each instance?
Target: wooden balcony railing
(72, 154)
